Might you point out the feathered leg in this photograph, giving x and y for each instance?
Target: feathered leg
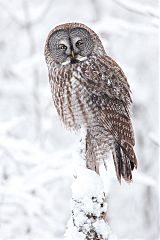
(90, 153)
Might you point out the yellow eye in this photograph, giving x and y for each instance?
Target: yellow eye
(62, 46)
(79, 43)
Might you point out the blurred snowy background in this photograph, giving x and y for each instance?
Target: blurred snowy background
(36, 150)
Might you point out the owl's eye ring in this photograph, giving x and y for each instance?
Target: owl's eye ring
(62, 46)
(79, 43)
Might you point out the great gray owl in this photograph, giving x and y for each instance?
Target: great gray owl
(90, 90)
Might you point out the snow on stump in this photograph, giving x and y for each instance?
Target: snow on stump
(88, 220)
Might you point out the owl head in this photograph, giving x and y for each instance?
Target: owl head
(71, 43)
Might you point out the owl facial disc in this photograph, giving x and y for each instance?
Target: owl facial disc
(70, 46)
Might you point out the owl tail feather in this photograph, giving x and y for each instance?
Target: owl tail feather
(124, 160)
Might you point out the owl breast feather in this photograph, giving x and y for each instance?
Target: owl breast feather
(71, 97)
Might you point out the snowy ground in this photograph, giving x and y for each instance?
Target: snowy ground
(36, 152)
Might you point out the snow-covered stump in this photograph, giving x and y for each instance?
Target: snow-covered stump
(89, 207)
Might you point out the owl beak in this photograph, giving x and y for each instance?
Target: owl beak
(72, 55)
(73, 58)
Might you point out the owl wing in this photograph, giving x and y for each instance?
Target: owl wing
(112, 94)
(115, 110)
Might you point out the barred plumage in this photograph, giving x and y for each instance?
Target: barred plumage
(89, 89)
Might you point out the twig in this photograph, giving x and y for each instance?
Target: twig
(138, 8)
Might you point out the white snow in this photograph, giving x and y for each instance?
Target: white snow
(90, 182)
(87, 200)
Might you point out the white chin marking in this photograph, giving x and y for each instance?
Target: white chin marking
(66, 62)
(79, 58)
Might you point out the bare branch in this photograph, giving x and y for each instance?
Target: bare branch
(23, 23)
(9, 11)
(97, 10)
(138, 8)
